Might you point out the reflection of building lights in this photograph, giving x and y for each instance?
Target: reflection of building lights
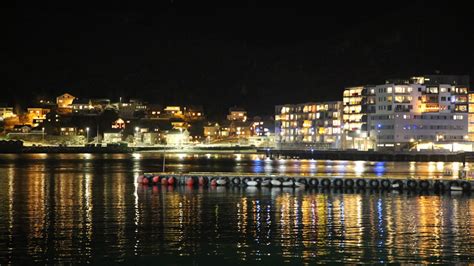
(440, 166)
(238, 157)
(431, 167)
(455, 167)
(359, 167)
(379, 168)
(136, 155)
(412, 167)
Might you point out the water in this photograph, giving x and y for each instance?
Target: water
(87, 208)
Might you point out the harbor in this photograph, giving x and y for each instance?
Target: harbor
(84, 198)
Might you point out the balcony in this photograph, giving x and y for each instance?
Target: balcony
(402, 109)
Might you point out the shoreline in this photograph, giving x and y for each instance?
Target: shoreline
(269, 153)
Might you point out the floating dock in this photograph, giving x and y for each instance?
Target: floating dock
(266, 180)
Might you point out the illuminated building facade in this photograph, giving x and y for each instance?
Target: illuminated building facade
(237, 114)
(65, 100)
(6, 112)
(420, 112)
(471, 116)
(309, 125)
(358, 102)
(37, 115)
(192, 113)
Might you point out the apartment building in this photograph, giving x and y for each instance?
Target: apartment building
(309, 125)
(419, 112)
(358, 102)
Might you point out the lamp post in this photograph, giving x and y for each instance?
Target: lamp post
(42, 134)
(164, 157)
(97, 138)
(87, 132)
(136, 135)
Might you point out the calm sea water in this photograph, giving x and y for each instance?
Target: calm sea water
(84, 208)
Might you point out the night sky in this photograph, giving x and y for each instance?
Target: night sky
(217, 56)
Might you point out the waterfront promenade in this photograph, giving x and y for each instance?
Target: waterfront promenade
(269, 153)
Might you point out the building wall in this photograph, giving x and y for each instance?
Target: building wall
(6, 112)
(151, 138)
(414, 113)
(112, 137)
(68, 131)
(65, 100)
(237, 116)
(356, 101)
(177, 139)
(37, 115)
(471, 116)
(309, 125)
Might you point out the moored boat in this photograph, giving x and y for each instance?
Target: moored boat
(276, 183)
(221, 182)
(456, 188)
(252, 183)
(300, 184)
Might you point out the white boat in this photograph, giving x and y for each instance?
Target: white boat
(221, 182)
(456, 188)
(395, 185)
(276, 183)
(299, 184)
(265, 183)
(288, 183)
(252, 183)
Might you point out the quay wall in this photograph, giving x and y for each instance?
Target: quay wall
(369, 155)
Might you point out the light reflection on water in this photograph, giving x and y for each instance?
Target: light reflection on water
(87, 208)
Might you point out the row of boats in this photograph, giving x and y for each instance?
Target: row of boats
(263, 183)
(399, 184)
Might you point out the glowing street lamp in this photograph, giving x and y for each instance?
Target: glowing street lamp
(136, 134)
(87, 131)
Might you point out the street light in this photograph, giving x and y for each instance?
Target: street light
(164, 157)
(87, 131)
(136, 135)
(42, 134)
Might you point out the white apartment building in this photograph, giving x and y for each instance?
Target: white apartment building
(416, 113)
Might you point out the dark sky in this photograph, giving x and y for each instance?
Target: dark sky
(217, 56)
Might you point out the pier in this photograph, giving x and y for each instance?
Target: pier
(426, 156)
(464, 185)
